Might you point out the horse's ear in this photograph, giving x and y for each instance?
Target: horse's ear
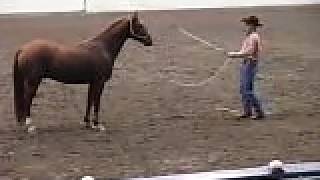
(135, 16)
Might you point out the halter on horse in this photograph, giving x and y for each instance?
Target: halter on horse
(89, 62)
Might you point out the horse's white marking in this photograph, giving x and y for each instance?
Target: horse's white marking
(275, 164)
(94, 126)
(28, 121)
(99, 127)
(31, 129)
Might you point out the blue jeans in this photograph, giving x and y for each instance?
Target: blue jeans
(247, 76)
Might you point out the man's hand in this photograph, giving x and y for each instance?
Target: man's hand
(234, 54)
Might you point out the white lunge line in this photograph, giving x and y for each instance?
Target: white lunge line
(219, 71)
(182, 30)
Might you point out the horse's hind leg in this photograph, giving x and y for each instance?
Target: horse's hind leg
(97, 96)
(31, 90)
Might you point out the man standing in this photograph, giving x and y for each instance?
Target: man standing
(249, 52)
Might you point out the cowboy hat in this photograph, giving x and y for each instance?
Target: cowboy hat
(251, 20)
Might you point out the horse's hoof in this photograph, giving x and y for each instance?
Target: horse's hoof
(20, 124)
(85, 124)
(88, 125)
(94, 126)
(99, 127)
(21, 128)
(31, 129)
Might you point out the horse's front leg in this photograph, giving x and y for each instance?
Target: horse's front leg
(97, 96)
(89, 104)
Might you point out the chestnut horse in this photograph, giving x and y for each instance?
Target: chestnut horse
(90, 62)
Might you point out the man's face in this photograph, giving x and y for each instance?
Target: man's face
(248, 29)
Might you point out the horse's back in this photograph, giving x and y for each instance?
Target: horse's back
(69, 64)
(36, 50)
(50, 53)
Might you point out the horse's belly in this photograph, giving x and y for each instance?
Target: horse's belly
(73, 81)
(69, 77)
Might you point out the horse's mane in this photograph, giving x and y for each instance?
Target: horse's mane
(115, 23)
(104, 30)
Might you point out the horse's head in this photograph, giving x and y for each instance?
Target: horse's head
(138, 31)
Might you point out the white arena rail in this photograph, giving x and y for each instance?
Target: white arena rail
(307, 170)
(300, 171)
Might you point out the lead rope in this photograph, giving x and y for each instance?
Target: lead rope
(214, 46)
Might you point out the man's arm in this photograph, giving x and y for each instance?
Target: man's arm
(237, 54)
(250, 50)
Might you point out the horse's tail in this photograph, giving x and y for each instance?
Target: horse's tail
(18, 88)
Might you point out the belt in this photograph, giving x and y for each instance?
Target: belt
(245, 60)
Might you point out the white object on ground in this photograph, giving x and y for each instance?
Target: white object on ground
(234, 111)
(222, 109)
(268, 113)
(219, 49)
(87, 178)
(275, 164)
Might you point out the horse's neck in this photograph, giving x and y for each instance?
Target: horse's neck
(114, 39)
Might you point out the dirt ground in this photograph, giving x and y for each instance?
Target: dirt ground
(155, 127)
